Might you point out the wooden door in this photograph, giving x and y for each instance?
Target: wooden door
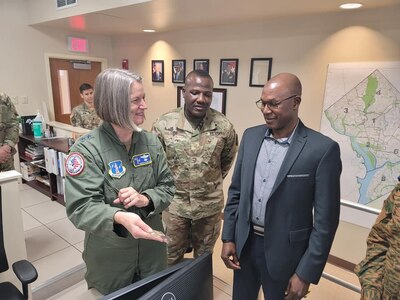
(66, 78)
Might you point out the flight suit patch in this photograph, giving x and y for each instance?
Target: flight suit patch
(116, 169)
(140, 160)
(74, 164)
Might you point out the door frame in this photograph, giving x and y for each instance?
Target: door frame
(47, 56)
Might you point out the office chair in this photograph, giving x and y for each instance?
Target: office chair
(23, 269)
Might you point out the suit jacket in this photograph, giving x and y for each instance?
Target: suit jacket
(157, 76)
(178, 76)
(296, 240)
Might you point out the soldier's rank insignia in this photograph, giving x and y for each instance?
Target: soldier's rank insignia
(116, 169)
(141, 159)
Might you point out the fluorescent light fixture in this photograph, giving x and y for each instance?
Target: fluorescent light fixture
(149, 30)
(350, 5)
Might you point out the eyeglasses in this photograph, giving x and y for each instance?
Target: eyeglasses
(272, 104)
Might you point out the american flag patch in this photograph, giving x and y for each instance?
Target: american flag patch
(74, 164)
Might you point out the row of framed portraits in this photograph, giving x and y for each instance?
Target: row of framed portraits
(260, 70)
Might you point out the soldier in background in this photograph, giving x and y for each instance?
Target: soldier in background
(84, 114)
(201, 145)
(9, 132)
(379, 272)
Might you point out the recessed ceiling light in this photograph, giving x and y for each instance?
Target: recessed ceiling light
(149, 30)
(351, 5)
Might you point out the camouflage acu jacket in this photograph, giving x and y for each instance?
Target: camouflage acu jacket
(83, 116)
(9, 128)
(379, 272)
(199, 160)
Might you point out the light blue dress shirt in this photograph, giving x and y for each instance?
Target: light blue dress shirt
(269, 162)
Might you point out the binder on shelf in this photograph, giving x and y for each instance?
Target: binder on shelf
(47, 161)
(54, 161)
(62, 157)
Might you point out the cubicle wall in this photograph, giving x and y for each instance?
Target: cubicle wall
(14, 239)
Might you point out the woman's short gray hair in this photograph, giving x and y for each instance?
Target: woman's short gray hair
(112, 97)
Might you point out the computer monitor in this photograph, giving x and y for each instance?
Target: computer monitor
(192, 279)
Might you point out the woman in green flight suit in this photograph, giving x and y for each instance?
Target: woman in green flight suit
(117, 185)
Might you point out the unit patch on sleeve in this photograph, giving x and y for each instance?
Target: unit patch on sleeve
(74, 164)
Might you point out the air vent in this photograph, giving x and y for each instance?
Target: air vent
(66, 3)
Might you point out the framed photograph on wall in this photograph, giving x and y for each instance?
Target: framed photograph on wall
(229, 69)
(260, 71)
(178, 70)
(201, 64)
(157, 70)
(218, 102)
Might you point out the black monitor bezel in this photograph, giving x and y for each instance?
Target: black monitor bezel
(183, 272)
(146, 283)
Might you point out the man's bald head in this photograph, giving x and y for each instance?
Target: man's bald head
(288, 82)
(281, 97)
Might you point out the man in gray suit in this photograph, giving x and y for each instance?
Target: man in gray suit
(284, 200)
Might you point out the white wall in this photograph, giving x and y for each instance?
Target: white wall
(22, 55)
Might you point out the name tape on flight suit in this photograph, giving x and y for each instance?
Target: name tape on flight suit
(141, 160)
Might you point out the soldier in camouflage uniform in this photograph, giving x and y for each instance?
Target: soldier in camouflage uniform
(84, 115)
(379, 272)
(201, 145)
(9, 132)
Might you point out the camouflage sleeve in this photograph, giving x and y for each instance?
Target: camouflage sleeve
(75, 118)
(156, 130)
(229, 151)
(12, 126)
(391, 284)
(371, 294)
(370, 270)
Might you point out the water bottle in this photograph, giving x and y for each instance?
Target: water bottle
(37, 126)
